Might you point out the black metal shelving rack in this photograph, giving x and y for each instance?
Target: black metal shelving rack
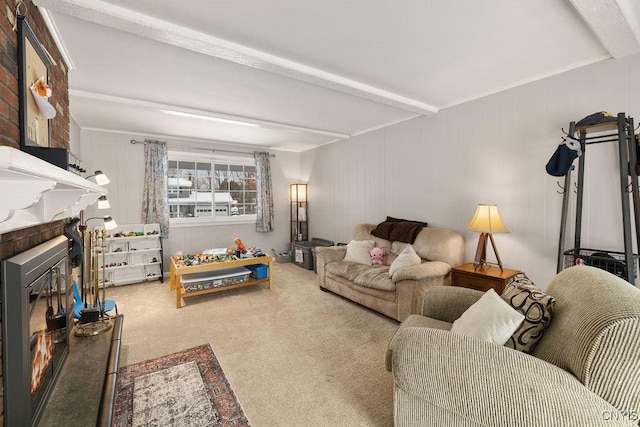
(623, 264)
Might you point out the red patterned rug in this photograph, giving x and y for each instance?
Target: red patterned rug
(182, 389)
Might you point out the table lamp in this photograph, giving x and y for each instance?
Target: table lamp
(486, 221)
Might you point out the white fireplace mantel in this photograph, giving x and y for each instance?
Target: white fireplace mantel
(34, 192)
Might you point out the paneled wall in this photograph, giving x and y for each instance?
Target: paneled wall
(491, 150)
(123, 163)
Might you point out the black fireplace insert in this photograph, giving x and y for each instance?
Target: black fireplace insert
(35, 320)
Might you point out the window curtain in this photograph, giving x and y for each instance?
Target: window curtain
(155, 203)
(264, 209)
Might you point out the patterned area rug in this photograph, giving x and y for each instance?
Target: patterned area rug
(182, 389)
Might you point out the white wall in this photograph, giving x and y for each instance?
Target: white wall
(123, 163)
(491, 150)
(435, 169)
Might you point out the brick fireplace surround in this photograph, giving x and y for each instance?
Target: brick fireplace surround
(18, 241)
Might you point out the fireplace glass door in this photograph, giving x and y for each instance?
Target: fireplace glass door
(47, 328)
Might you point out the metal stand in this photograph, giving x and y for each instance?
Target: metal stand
(481, 252)
(93, 320)
(623, 264)
(92, 328)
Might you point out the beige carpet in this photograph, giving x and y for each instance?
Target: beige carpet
(294, 355)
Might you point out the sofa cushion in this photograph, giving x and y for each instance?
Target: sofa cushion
(366, 292)
(490, 319)
(535, 305)
(406, 258)
(358, 251)
(375, 277)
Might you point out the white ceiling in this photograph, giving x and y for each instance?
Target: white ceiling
(311, 72)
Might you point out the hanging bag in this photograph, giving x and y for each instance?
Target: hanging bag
(562, 159)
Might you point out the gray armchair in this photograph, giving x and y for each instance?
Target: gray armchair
(584, 371)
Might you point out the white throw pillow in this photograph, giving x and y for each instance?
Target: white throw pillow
(406, 258)
(358, 251)
(398, 247)
(490, 319)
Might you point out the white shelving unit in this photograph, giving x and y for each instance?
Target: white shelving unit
(133, 255)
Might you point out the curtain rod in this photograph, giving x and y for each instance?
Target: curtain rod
(213, 150)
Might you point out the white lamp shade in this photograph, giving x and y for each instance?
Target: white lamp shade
(101, 178)
(298, 192)
(487, 220)
(109, 223)
(103, 203)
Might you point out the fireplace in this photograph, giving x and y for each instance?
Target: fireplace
(35, 317)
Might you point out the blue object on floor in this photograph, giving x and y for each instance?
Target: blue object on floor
(259, 271)
(78, 305)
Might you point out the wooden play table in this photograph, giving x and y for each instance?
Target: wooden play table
(176, 272)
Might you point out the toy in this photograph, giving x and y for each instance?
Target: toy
(42, 88)
(376, 255)
(239, 245)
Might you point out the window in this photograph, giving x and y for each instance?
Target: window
(211, 188)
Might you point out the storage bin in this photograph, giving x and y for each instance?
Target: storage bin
(281, 257)
(611, 261)
(304, 252)
(116, 247)
(136, 258)
(143, 244)
(259, 271)
(131, 275)
(214, 279)
(152, 271)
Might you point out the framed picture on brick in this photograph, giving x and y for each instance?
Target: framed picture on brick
(33, 89)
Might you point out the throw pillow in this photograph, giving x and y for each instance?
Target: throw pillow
(358, 251)
(394, 229)
(406, 258)
(398, 247)
(392, 219)
(535, 305)
(490, 319)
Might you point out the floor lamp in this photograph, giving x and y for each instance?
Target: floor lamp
(486, 221)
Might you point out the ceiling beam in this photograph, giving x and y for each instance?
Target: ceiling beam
(123, 19)
(616, 23)
(203, 113)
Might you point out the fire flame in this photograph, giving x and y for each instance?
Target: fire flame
(42, 353)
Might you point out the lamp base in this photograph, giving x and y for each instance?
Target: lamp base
(481, 252)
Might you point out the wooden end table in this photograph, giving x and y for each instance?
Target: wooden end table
(482, 279)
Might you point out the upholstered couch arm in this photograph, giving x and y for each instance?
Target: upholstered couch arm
(443, 378)
(327, 254)
(425, 270)
(447, 303)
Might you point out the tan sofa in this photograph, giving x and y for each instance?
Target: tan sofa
(584, 371)
(439, 248)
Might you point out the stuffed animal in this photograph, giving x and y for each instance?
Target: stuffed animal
(376, 255)
(42, 87)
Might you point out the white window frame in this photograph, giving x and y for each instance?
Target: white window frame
(213, 220)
